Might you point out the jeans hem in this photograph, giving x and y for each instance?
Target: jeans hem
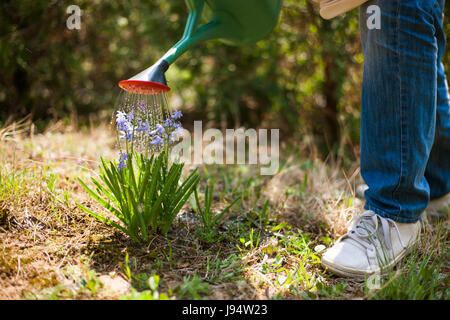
(394, 217)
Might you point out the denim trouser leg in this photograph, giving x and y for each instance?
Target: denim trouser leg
(404, 108)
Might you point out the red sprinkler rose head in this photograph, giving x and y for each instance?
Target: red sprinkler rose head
(150, 81)
(143, 87)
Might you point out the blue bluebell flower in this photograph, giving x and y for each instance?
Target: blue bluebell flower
(142, 106)
(121, 121)
(144, 126)
(159, 130)
(176, 115)
(130, 116)
(167, 123)
(122, 161)
(171, 124)
(157, 140)
(129, 135)
(176, 125)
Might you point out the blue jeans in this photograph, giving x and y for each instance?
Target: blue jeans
(405, 113)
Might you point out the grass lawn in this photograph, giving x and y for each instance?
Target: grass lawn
(267, 246)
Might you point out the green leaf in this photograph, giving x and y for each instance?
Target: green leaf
(105, 220)
(101, 200)
(225, 210)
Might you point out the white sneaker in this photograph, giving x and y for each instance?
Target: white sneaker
(372, 245)
(332, 8)
(438, 208)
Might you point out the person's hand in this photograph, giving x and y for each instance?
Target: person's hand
(332, 8)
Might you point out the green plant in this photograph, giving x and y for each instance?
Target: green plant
(141, 194)
(420, 281)
(263, 214)
(328, 292)
(52, 180)
(126, 267)
(224, 268)
(419, 278)
(91, 282)
(208, 216)
(151, 294)
(192, 288)
(252, 241)
(259, 216)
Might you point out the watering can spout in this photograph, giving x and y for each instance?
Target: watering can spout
(155, 73)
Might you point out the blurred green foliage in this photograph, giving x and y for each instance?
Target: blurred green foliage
(304, 77)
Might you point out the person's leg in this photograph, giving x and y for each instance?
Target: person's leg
(437, 171)
(398, 122)
(398, 117)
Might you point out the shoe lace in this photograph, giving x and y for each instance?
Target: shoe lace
(365, 230)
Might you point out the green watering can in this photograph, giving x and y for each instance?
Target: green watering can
(234, 22)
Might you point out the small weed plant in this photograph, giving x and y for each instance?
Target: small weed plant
(209, 218)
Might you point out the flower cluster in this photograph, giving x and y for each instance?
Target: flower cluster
(132, 128)
(125, 125)
(168, 132)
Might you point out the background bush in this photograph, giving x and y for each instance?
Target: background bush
(306, 75)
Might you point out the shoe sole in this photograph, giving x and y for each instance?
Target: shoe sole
(358, 274)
